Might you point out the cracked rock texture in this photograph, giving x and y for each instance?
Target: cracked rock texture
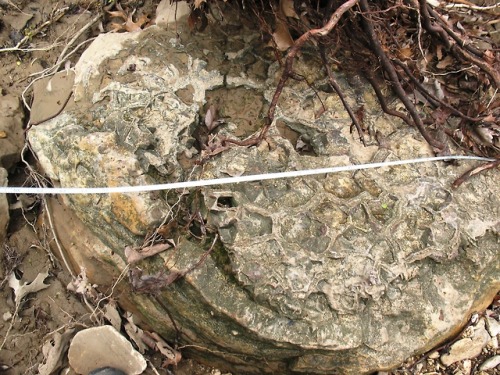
(347, 273)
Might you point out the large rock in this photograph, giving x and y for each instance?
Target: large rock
(346, 273)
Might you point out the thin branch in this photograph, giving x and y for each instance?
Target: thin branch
(382, 100)
(17, 48)
(287, 72)
(471, 172)
(432, 97)
(337, 89)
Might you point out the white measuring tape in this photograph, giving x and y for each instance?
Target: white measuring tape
(227, 180)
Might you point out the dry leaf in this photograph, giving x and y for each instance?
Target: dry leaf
(197, 3)
(81, 285)
(282, 36)
(439, 52)
(405, 53)
(53, 351)
(444, 63)
(112, 315)
(210, 118)
(129, 24)
(21, 290)
(136, 334)
(173, 357)
(286, 7)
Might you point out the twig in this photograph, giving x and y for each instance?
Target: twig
(454, 36)
(87, 26)
(437, 30)
(41, 182)
(17, 48)
(56, 239)
(396, 84)
(122, 275)
(432, 97)
(11, 324)
(471, 172)
(337, 89)
(382, 100)
(472, 6)
(287, 72)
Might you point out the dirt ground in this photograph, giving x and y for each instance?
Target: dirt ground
(50, 27)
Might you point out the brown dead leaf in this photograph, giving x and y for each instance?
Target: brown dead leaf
(286, 7)
(129, 25)
(197, 3)
(172, 356)
(405, 53)
(439, 52)
(282, 37)
(489, 56)
(444, 63)
(53, 351)
(117, 14)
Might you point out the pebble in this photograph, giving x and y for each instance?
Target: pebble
(434, 355)
(469, 347)
(104, 348)
(493, 326)
(490, 363)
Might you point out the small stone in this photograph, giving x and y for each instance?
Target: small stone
(3, 134)
(494, 343)
(490, 363)
(434, 355)
(467, 366)
(7, 316)
(469, 347)
(104, 346)
(493, 326)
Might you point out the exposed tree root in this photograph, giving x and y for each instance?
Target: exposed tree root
(337, 89)
(483, 167)
(394, 79)
(430, 60)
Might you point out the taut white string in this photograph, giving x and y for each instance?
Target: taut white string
(227, 180)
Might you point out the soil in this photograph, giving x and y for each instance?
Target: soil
(27, 249)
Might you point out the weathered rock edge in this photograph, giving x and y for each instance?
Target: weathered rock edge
(348, 273)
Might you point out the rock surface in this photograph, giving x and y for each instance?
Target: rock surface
(11, 131)
(101, 347)
(311, 275)
(11, 143)
(4, 206)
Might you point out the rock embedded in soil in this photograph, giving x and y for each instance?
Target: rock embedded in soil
(310, 275)
(101, 347)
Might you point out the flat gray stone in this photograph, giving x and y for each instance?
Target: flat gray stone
(104, 346)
